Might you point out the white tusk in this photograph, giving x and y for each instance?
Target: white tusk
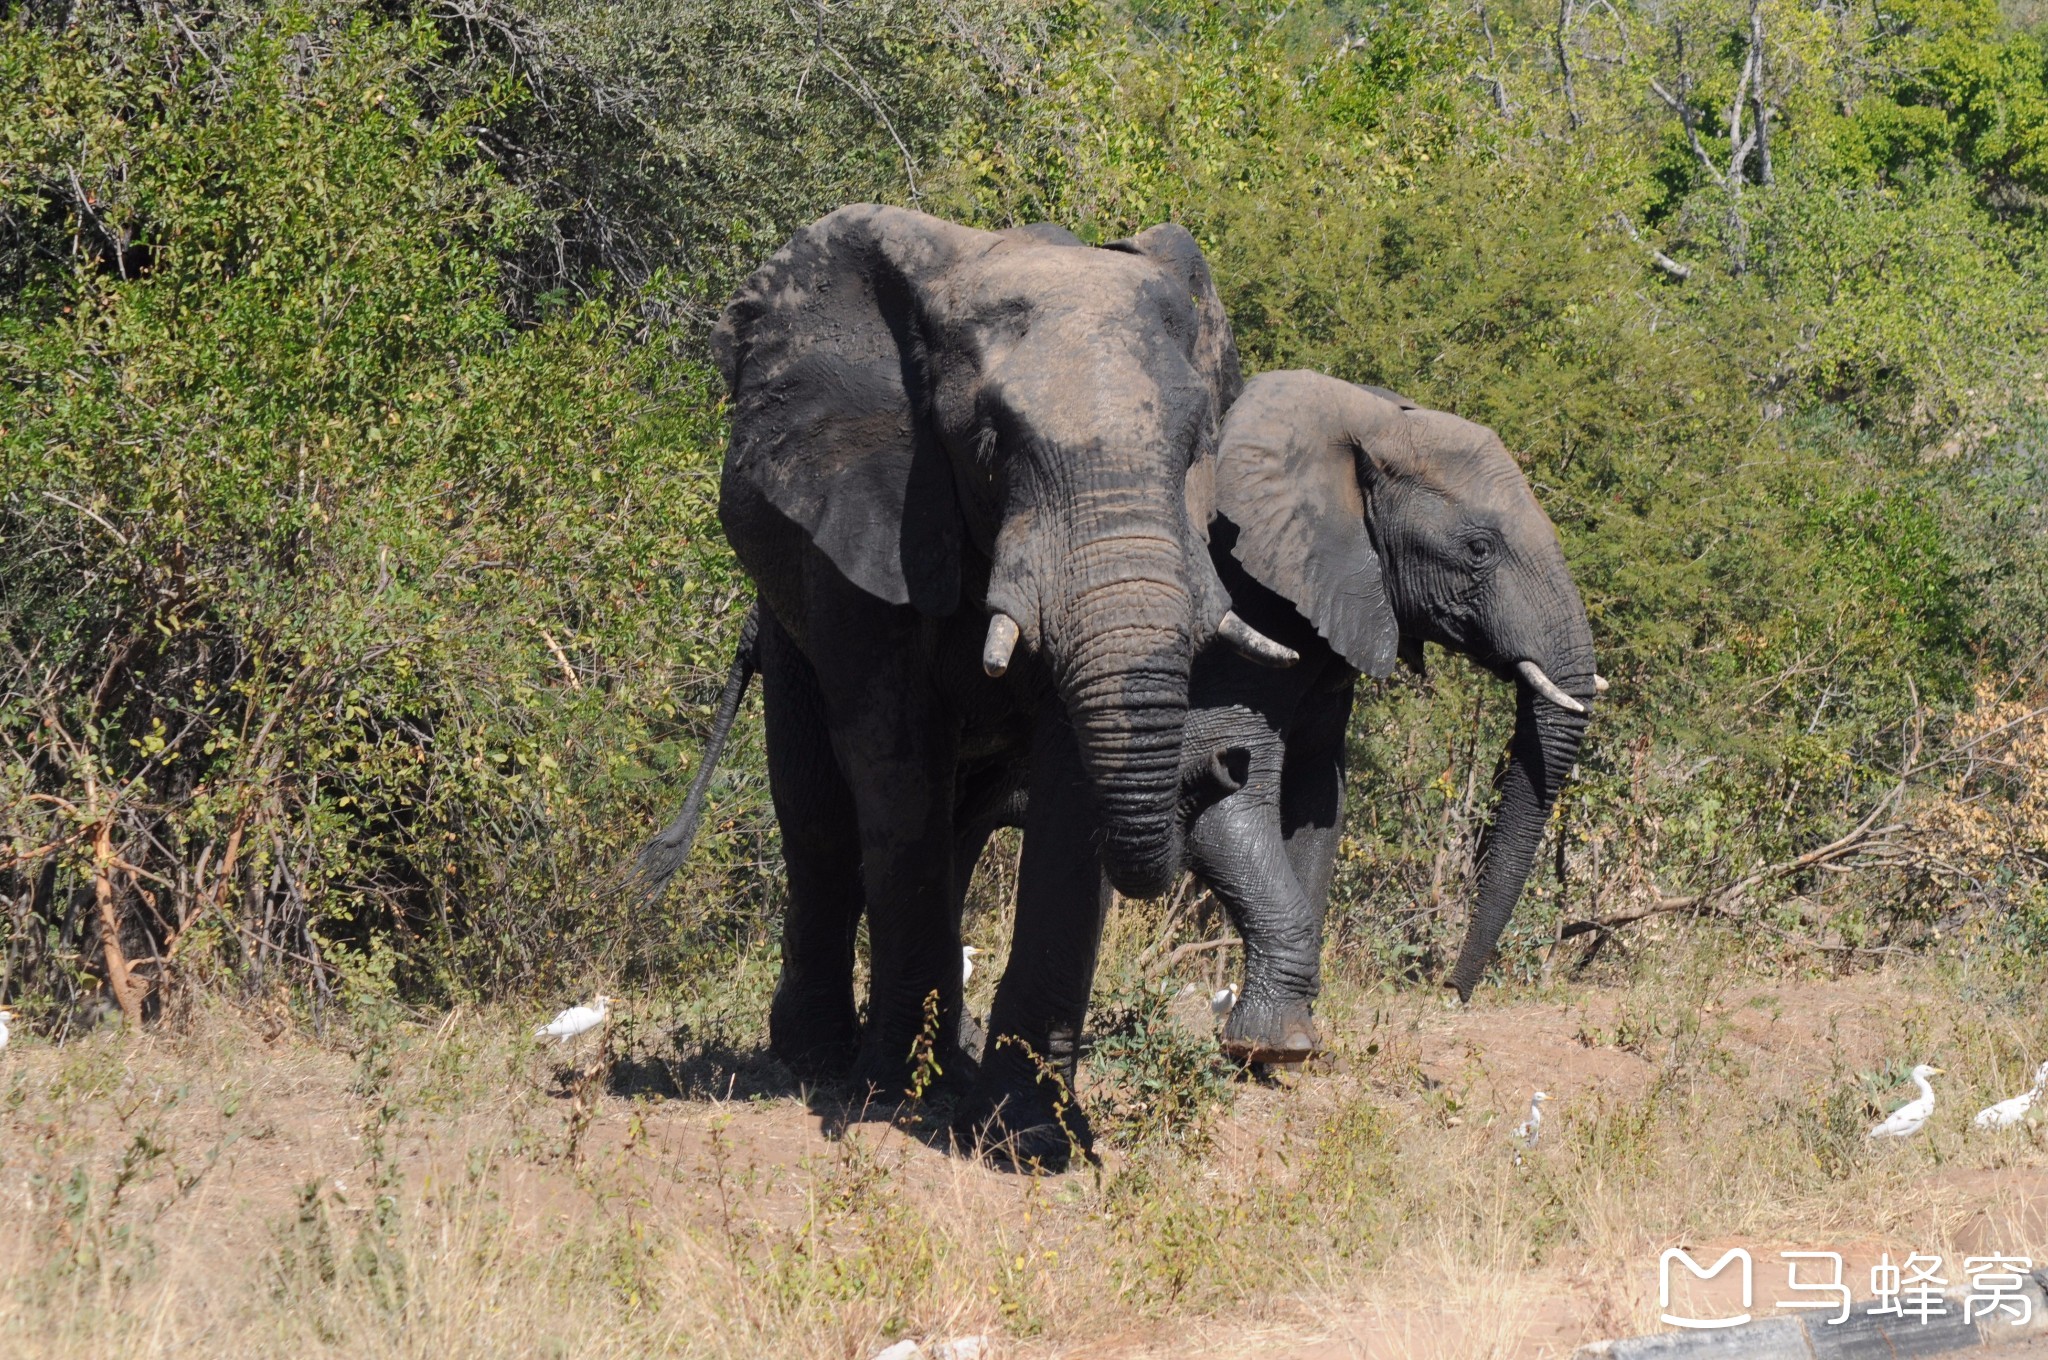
(1002, 640)
(1541, 683)
(1599, 684)
(1252, 643)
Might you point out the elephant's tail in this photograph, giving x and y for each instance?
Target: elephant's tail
(661, 857)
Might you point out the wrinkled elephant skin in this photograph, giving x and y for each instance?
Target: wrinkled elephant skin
(970, 475)
(1353, 526)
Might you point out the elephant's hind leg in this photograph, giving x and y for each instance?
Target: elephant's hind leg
(813, 1027)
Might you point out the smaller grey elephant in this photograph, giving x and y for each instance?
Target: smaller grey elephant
(1353, 526)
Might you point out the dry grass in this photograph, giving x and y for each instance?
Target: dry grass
(426, 1188)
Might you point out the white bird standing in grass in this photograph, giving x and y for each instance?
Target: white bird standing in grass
(1905, 1121)
(967, 953)
(1224, 1002)
(2007, 1113)
(576, 1020)
(1530, 1129)
(958, 1348)
(6, 1019)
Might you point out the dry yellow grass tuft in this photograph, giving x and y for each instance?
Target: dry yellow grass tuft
(425, 1189)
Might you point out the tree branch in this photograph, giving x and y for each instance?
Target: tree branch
(1564, 65)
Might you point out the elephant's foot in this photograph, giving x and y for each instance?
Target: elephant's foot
(892, 1066)
(814, 1035)
(1271, 1031)
(1022, 1120)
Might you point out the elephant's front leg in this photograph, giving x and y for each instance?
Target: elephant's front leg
(898, 754)
(1236, 846)
(989, 797)
(813, 1026)
(1023, 1110)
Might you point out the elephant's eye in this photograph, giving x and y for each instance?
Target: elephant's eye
(1479, 550)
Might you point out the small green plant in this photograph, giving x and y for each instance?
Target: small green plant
(1831, 1125)
(586, 1093)
(925, 1070)
(1158, 1080)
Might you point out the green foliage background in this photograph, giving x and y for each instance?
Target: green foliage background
(362, 577)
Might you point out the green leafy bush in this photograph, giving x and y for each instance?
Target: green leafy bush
(363, 593)
(1154, 1081)
(338, 608)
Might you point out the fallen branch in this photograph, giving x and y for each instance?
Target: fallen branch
(1190, 950)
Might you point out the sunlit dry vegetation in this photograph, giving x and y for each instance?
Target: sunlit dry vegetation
(429, 1189)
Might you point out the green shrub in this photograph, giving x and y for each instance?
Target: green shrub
(1154, 1081)
(349, 610)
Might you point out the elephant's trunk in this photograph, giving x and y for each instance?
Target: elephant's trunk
(1543, 750)
(1122, 642)
(1553, 666)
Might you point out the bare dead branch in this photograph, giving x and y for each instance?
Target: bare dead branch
(1558, 36)
(859, 88)
(1199, 947)
(1674, 268)
(1689, 119)
(1491, 75)
(1866, 838)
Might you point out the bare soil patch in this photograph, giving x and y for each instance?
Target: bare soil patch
(439, 1188)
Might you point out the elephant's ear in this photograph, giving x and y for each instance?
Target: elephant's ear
(1212, 349)
(822, 349)
(1287, 476)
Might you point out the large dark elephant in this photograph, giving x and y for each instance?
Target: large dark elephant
(970, 474)
(1353, 527)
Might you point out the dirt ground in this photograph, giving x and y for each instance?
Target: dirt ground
(221, 1185)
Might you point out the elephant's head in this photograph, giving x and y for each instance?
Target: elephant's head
(1012, 422)
(1387, 526)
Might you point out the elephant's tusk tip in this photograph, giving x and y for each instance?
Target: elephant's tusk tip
(1002, 640)
(1599, 684)
(1253, 644)
(1532, 674)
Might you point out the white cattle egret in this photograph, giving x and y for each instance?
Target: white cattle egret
(905, 1349)
(958, 1348)
(1905, 1121)
(576, 1020)
(1223, 1002)
(6, 1019)
(1527, 1132)
(967, 953)
(2006, 1113)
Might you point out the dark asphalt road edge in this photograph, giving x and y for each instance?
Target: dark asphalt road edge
(1863, 1336)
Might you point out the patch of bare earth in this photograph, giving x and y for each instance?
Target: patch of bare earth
(441, 1190)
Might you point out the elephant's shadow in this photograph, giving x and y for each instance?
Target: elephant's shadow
(697, 1069)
